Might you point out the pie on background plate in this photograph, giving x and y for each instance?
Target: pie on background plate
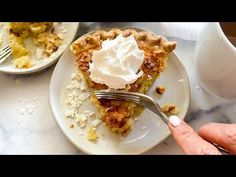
(147, 131)
(26, 52)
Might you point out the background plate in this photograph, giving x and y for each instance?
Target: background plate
(8, 67)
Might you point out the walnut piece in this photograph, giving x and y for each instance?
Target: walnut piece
(170, 108)
(160, 89)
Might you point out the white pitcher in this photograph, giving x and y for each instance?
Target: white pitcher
(215, 62)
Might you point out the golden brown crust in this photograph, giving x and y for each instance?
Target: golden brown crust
(144, 39)
(116, 114)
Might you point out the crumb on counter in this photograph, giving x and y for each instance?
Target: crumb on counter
(170, 108)
(71, 125)
(92, 135)
(160, 89)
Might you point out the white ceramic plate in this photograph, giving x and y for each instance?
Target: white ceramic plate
(69, 35)
(147, 132)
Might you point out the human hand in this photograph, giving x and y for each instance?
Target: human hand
(191, 142)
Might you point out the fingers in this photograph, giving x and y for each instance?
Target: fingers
(221, 134)
(189, 141)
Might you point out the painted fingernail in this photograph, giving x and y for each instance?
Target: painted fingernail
(175, 121)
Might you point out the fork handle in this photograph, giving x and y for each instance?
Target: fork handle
(159, 112)
(164, 117)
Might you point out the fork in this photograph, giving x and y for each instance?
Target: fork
(5, 53)
(137, 98)
(143, 100)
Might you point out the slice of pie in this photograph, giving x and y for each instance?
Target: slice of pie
(117, 114)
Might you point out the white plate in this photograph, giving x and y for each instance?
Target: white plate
(147, 132)
(69, 35)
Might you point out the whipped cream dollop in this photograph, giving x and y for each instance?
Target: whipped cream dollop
(117, 62)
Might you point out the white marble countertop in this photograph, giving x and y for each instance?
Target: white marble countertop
(28, 127)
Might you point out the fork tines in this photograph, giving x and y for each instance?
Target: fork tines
(117, 95)
(4, 52)
(4, 49)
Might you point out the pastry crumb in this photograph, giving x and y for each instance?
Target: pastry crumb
(136, 118)
(170, 108)
(81, 133)
(71, 125)
(69, 113)
(92, 135)
(81, 120)
(160, 89)
(96, 122)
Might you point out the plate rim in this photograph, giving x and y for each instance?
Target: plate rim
(54, 112)
(22, 72)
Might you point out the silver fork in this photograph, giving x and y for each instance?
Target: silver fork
(4, 53)
(143, 100)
